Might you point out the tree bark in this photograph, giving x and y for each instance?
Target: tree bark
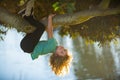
(82, 16)
(11, 20)
(64, 20)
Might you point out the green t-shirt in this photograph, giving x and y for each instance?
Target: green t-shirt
(44, 47)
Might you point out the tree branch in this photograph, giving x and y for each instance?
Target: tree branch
(82, 16)
(15, 21)
(29, 7)
(65, 20)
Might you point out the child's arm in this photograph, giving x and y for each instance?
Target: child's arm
(50, 26)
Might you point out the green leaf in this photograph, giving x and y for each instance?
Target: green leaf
(56, 8)
(56, 4)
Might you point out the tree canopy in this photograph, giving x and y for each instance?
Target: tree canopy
(93, 20)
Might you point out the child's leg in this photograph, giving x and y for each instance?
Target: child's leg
(29, 42)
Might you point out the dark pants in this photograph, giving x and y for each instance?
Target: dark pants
(29, 42)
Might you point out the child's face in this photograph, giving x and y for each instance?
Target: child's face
(61, 51)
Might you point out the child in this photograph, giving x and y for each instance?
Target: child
(60, 59)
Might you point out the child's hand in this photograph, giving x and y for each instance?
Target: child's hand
(51, 16)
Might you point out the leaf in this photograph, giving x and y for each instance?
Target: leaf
(56, 8)
(55, 5)
(70, 7)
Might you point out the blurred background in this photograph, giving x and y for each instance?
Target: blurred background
(90, 29)
(90, 61)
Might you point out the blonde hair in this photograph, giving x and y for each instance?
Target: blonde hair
(60, 64)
